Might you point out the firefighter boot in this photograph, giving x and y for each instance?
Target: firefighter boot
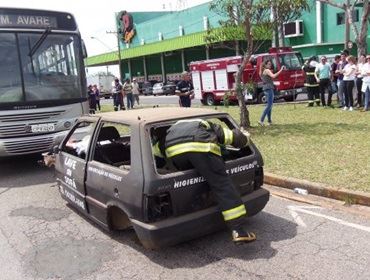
(239, 234)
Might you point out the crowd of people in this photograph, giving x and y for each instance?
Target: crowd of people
(131, 90)
(341, 77)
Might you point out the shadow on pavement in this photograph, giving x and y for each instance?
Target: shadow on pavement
(218, 246)
(24, 171)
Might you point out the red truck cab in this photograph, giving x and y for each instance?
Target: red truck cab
(212, 79)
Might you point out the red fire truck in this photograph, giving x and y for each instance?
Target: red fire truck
(215, 77)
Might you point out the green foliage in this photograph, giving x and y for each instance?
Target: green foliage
(232, 26)
(226, 98)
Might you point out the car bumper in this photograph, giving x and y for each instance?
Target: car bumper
(175, 230)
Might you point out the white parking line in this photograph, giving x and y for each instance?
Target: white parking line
(293, 209)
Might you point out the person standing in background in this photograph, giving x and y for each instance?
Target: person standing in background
(349, 75)
(184, 89)
(92, 99)
(135, 91)
(342, 63)
(97, 96)
(127, 89)
(366, 83)
(323, 77)
(360, 65)
(118, 96)
(268, 87)
(310, 83)
(334, 81)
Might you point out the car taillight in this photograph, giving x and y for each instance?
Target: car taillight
(158, 207)
(258, 178)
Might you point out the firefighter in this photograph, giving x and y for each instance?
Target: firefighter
(196, 143)
(311, 84)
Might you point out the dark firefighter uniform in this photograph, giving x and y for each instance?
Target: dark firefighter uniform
(312, 85)
(196, 144)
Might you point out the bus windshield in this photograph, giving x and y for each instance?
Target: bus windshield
(49, 71)
(292, 61)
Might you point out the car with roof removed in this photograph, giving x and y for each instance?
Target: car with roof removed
(110, 174)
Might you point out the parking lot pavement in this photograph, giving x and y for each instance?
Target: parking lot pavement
(41, 237)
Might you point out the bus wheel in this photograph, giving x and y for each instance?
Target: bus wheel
(210, 100)
(262, 98)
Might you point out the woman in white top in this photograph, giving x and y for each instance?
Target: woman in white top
(360, 65)
(349, 75)
(366, 83)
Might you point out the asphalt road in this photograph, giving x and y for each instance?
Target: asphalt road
(41, 237)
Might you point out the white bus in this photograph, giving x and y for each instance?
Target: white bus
(42, 79)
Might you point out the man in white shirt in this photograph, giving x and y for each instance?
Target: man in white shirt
(135, 90)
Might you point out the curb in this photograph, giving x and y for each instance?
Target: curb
(351, 197)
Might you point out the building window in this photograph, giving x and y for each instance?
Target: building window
(341, 17)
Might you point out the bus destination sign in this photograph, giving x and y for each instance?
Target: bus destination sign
(28, 21)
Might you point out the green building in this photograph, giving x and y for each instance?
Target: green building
(324, 31)
(163, 43)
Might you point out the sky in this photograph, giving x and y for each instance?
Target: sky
(95, 18)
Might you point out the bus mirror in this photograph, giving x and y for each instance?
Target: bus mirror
(84, 51)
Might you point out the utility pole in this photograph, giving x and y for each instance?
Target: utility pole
(119, 51)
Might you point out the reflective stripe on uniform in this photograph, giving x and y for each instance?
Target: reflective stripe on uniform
(310, 73)
(156, 151)
(234, 213)
(311, 85)
(193, 147)
(228, 135)
(206, 124)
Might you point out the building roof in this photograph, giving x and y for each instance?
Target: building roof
(183, 42)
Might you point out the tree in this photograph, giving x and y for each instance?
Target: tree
(249, 21)
(244, 21)
(360, 31)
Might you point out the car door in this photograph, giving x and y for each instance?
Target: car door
(70, 164)
(112, 179)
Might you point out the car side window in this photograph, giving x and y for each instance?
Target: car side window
(77, 144)
(113, 145)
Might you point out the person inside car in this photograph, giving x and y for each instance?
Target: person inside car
(196, 143)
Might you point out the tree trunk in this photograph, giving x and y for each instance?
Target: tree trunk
(244, 113)
(281, 34)
(274, 41)
(361, 40)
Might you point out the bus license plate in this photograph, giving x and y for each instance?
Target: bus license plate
(44, 127)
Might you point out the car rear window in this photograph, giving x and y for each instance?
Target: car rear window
(164, 166)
